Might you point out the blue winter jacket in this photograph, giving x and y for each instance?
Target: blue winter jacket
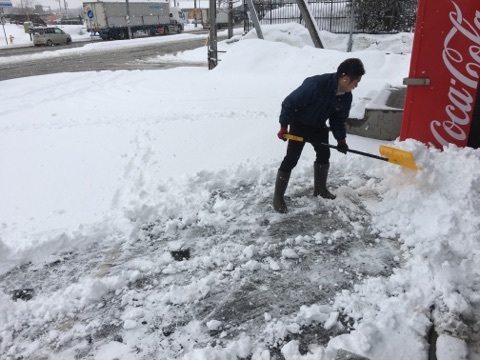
(314, 102)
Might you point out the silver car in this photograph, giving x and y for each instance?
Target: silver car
(49, 36)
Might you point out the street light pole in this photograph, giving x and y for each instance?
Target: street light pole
(4, 32)
(212, 49)
(128, 20)
(195, 12)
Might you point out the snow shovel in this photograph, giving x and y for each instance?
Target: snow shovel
(396, 156)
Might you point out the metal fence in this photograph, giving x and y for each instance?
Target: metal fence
(340, 16)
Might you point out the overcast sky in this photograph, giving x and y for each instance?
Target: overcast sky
(53, 4)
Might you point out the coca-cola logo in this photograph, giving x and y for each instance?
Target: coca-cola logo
(461, 57)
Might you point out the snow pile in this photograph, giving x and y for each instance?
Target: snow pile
(434, 213)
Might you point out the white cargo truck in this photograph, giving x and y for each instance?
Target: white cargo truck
(112, 20)
(221, 18)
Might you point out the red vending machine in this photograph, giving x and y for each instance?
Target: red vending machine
(441, 104)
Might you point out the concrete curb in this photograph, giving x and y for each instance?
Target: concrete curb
(383, 116)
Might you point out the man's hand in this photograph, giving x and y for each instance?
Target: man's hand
(342, 146)
(283, 131)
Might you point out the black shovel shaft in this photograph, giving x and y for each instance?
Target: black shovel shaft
(358, 152)
(301, 139)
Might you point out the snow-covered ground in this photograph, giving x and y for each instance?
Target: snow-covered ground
(108, 177)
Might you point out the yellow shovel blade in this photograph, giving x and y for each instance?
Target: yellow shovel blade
(399, 157)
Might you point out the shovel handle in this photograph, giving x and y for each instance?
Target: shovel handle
(358, 152)
(301, 139)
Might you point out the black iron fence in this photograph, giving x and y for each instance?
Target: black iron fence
(340, 16)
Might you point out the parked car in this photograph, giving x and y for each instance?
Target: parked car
(49, 36)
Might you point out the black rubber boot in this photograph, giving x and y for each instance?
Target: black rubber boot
(320, 174)
(281, 184)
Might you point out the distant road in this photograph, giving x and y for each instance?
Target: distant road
(127, 58)
(30, 49)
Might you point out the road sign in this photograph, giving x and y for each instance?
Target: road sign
(90, 14)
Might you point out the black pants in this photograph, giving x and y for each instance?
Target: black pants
(295, 148)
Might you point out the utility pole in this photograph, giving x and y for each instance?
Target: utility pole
(352, 25)
(128, 20)
(195, 12)
(212, 48)
(230, 19)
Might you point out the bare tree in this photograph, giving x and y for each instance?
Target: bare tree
(26, 7)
